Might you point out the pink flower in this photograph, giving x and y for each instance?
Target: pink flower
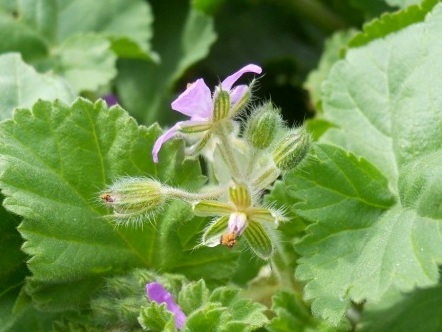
(197, 103)
(156, 292)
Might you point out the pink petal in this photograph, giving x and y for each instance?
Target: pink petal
(230, 80)
(163, 138)
(195, 102)
(156, 292)
(237, 222)
(237, 93)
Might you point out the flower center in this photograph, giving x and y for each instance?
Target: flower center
(228, 239)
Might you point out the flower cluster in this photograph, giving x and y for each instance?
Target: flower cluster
(246, 157)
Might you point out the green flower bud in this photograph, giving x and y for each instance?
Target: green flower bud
(263, 126)
(292, 149)
(221, 105)
(134, 199)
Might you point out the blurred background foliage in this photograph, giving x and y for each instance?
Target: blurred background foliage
(286, 37)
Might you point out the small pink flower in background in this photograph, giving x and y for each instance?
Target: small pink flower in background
(156, 292)
(197, 103)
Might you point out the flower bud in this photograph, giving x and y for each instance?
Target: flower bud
(263, 126)
(221, 105)
(134, 198)
(292, 149)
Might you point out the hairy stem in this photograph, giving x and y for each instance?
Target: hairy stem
(227, 153)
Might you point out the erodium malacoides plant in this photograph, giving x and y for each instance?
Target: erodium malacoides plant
(246, 148)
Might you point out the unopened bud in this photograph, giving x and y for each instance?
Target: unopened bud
(133, 199)
(292, 149)
(263, 126)
(221, 105)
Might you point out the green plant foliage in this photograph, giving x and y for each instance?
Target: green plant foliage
(416, 311)
(77, 39)
(392, 22)
(357, 244)
(333, 50)
(155, 317)
(223, 310)
(22, 86)
(144, 87)
(70, 242)
(403, 3)
(375, 218)
(292, 315)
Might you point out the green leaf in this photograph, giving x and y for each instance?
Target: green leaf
(119, 20)
(292, 315)
(17, 314)
(156, 317)
(340, 192)
(39, 15)
(12, 258)
(332, 53)
(244, 314)
(384, 97)
(416, 311)
(392, 22)
(193, 296)
(56, 160)
(357, 249)
(210, 318)
(183, 36)
(317, 127)
(17, 36)
(50, 35)
(420, 187)
(85, 73)
(403, 3)
(22, 86)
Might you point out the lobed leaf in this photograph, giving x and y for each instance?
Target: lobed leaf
(55, 160)
(156, 317)
(361, 244)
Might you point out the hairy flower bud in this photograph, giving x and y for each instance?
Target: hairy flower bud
(133, 199)
(262, 126)
(292, 149)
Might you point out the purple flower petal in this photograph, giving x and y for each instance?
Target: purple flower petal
(237, 93)
(230, 80)
(195, 102)
(110, 99)
(163, 138)
(156, 292)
